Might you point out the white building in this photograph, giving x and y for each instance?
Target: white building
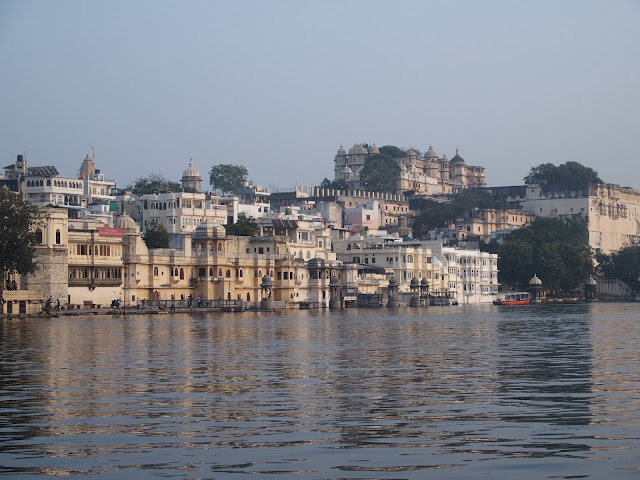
(472, 274)
(178, 212)
(405, 260)
(43, 186)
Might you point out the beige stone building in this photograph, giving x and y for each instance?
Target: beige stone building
(611, 212)
(485, 223)
(423, 175)
(96, 264)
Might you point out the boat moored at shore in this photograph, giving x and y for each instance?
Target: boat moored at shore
(513, 298)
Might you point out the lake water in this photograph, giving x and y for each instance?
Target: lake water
(541, 391)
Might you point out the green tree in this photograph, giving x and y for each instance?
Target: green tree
(555, 249)
(380, 173)
(333, 184)
(227, 177)
(18, 222)
(569, 172)
(156, 236)
(392, 151)
(244, 227)
(623, 265)
(470, 199)
(156, 183)
(431, 215)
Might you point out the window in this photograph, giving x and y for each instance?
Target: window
(38, 236)
(57, 237)
(182, 274)
(155, 271)
(202, 272)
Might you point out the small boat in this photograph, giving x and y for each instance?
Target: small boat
(513, 298)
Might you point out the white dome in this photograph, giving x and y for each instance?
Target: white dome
(191, 171)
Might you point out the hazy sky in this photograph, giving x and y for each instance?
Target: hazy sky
(278, 86)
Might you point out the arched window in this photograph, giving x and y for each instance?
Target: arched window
(57, 237)
(248, 297)
(219, 272)
(211, 272)
(155, 271)
(182, 274)
(38, 236)
(220, 246)
(240, 273)
(228, 274)
(175, 272)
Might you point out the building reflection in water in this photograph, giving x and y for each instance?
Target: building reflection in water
(444, 386)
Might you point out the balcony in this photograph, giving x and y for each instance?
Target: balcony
(95, 282)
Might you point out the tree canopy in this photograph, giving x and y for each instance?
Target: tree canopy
(18, 222)
(570, 172)
(380, 173)
(623, 265)
(433, 214)
(333, 184)
(156, 183)
(227, 177)
(156, 236)
(557, 250)
(244, 227)
(392, 151)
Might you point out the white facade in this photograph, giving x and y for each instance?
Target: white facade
(404, 260)
(473, 275)
(178, 212)
(43, 186)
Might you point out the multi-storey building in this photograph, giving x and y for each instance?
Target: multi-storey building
(473, 275)
(178, 212)
(392, 256)
(611, 212)
(422, 175)
(43, 186)
(486, 222)
(95, 262)
(334, 204)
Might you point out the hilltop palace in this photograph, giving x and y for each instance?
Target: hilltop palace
(420, 175)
